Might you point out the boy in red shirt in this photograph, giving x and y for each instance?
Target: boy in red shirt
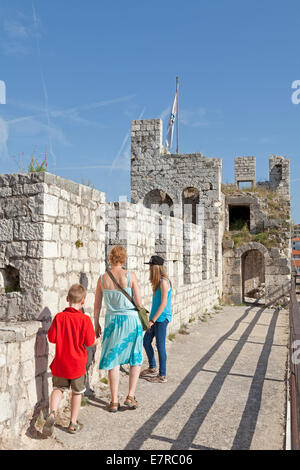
(70, 330)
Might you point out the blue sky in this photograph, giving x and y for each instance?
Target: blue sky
(77, 73)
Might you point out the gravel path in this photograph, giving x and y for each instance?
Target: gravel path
(226, 389)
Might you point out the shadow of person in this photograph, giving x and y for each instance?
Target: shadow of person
(41, 355)
(91, 351)
(104, 405)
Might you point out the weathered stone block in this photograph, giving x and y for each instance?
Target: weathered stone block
(60, 266)
(5, 407)
(34, 388)
(28, 231)
(31, 328)
(48, 273)
(13, 308)
(50, 250)
(3, 379)
(5, 191)
(28, 369)
(6, 230)
(13, 374)
(28, 349)
(50, 205)
(35, 188)
(50, 301)
(275, 252)
(7, 336)
(16, 249)
(64, 232)
(31, 274)
(13, 353)
(35, 249)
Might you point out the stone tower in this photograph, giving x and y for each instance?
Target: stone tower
(187, 186)
(178, 180)
(256, 244)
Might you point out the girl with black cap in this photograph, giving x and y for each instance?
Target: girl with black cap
(159, 318)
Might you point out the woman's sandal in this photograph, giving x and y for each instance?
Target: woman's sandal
(74, 428)
(148, 373)
(157, 379)
(131, 402)
(113, 407)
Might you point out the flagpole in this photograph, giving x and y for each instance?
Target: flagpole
(177, 111)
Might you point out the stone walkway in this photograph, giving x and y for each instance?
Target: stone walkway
(226, 390)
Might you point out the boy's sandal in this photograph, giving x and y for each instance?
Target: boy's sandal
(148, 372)
(113, 407)
(157, 379)
(131, 402)
(74, 428)
(48, 427)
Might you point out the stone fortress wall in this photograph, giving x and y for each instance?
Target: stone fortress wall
(55, 232)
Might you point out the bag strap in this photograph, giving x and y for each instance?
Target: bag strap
(121, 288)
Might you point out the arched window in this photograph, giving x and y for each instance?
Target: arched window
(190, 203)
(276, 174)
(159, 201)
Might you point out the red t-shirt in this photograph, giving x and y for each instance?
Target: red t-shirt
(70, 330)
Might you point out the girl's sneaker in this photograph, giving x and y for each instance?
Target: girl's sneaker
(148, 373)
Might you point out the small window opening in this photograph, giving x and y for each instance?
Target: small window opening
(239, 217)
(245, 184)
(190, 202)
(9, 280)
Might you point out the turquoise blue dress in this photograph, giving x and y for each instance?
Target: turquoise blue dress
(122, 341)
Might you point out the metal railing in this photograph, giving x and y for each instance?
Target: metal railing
(294, 364)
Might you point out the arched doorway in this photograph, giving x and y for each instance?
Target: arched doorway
(190, 203)
(253, 276)
(160, 201)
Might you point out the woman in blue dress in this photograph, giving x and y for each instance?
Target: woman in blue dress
(122, 341)
(160, 316)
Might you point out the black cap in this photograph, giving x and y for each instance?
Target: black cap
(156, 260)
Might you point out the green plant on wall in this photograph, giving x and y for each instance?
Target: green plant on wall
(36, 166)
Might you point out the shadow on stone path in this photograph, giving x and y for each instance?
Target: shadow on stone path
(226, 390)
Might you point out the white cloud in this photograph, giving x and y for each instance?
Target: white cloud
(18, 34)
(265, 140)
(72, 114)
(14, 48)
(193, 118)
(87, 107)
(29, 126)
(14, 29)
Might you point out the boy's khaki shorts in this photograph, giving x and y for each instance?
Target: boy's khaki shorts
(77, 385)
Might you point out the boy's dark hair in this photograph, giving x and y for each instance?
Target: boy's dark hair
(76, 293)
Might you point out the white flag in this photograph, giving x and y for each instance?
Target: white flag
(169, 137)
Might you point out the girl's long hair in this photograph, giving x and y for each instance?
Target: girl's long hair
(156, 273)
